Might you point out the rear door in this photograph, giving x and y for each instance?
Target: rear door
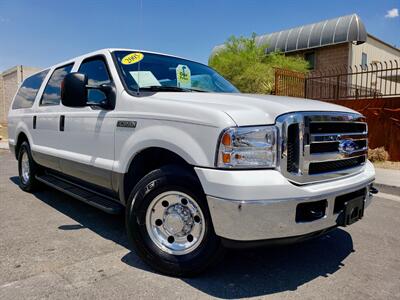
(48, 121)
(88, 136)
(22, 106)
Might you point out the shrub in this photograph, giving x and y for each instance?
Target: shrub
(249, 67)
(378, 154)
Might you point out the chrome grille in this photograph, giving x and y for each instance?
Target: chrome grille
(321, 146)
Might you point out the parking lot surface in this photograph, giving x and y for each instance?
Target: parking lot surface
(53, 246)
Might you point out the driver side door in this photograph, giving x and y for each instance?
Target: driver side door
(88, 135)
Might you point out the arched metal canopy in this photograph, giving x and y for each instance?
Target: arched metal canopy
(329, 32)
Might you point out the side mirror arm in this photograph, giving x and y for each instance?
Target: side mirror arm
(109, 90)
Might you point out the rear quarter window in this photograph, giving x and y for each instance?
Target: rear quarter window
(27, 92)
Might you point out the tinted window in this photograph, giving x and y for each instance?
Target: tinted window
(97, 73)
(27, 92)
(52, 92)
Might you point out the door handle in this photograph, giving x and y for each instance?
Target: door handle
(34, 122)
(62, 122)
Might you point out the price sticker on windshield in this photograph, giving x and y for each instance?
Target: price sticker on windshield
(132, 58)
(183, 77)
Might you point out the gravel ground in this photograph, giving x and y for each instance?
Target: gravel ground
(52, 246)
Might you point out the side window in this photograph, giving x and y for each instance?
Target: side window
(364, 61)
(27, 92)
(52, 92)
(310, 58)
(97, 73)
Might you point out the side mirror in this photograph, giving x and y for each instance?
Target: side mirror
(73, 90)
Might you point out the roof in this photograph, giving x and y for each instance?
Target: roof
(15, 69)
(329, 32)
(110, 50)
(383, 42)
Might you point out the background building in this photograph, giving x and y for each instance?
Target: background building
(341, 41)
(9, 83)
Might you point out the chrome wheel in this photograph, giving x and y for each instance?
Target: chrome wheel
(175, 223)
(25, 169)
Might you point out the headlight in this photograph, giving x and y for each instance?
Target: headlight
(248, 147)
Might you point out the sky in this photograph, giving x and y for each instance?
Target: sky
(43, 33)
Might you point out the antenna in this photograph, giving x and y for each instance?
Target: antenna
(140, 2)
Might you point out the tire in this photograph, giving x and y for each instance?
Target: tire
(184, 256)
(27, 169)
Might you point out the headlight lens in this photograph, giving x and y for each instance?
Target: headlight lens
(248, 147)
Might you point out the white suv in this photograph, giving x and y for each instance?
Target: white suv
(195, 165)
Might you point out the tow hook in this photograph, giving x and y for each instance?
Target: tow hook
(373, 190)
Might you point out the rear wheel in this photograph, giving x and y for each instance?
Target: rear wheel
(169, 224)
(27, 169)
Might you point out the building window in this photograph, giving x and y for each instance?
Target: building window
(364, 60)
(310, 58)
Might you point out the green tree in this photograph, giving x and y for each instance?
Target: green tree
(249, 67)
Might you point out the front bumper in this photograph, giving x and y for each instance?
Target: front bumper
(261, 204)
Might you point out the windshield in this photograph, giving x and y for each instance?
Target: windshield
(146, 71)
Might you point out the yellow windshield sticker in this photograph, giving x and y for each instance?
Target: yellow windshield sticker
(132, 58)
(183, 76)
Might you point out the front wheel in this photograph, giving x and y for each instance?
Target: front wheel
(169, 224)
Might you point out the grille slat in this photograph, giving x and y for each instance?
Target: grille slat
(335, 127)
(335, 165)
(334, 146)
(293, 148)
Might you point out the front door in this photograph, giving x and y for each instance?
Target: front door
(88, 133)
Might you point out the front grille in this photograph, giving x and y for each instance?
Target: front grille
(322, 146)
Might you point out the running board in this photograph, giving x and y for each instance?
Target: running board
(92, 198)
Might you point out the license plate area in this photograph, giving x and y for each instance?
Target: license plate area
(352, 207)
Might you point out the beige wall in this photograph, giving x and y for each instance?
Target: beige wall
(9, 82)
(375, 49)
(1, 97)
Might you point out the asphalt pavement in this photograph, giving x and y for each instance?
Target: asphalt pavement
(53, 246)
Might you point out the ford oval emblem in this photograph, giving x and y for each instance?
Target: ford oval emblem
(347, 146)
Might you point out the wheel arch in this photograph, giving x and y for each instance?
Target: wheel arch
(145, 161)
(21, 137)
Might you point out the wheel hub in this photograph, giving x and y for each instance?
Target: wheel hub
(175, 222)
(178, 220)
(25, 170)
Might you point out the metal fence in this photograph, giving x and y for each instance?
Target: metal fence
(375, 80)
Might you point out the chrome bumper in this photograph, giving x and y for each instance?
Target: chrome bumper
(251, 218)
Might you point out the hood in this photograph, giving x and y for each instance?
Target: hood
(251, 109)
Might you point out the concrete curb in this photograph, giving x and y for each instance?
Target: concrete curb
(387, 180)
(4, 145)
(387, 189)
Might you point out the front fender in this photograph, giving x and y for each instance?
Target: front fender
(193, 143)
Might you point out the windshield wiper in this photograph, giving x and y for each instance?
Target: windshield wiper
(165, 88)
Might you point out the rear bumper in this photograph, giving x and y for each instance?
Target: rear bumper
(261, 204)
